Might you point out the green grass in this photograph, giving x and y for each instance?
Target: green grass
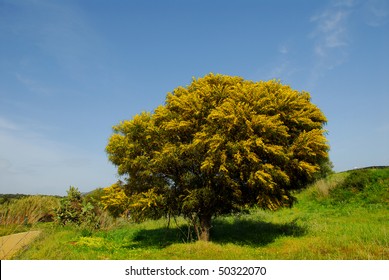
(332, 220)
(14, 228)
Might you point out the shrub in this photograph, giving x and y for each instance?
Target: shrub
(354, 183)
(71, 207)
(357, 180)
(365, 187)
(74, 209)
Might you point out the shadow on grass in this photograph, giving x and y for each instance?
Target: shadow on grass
(240, 232)
(253, 233)
(157, 238)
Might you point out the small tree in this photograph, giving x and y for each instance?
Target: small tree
(74, 209)
(220, 145)
(70, 209)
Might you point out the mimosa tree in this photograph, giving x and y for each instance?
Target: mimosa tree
(219, 145)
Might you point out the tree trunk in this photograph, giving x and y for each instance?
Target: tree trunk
(205, 226)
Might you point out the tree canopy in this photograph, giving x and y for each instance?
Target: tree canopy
(219, 145)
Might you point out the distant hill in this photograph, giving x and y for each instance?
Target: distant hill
(368, 167)
(8, 197)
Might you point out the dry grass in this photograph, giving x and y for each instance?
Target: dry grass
(28, 210)
(323, 187)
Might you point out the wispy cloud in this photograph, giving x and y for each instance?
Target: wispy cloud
(330, 31)
(376, 12)
(283, 70)
(330, 38)
(332, 35)
(283, 49)
(34, 85)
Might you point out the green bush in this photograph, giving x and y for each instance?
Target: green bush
(71, 207)
(357, 180)
(365, 187)
(84, 211)
(76, 210)
(353, 184)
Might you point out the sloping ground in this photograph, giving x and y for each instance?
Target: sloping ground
(10, 244)
(367, 167)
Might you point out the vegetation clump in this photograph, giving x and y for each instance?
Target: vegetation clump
(79, 210)
(26, 209)
(368, 186)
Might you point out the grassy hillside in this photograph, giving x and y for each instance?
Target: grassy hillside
(344, 216)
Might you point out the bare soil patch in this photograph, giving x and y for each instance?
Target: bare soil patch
(10, 244)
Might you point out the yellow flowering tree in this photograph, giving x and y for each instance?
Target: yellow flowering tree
(219, 145)
(114, 200)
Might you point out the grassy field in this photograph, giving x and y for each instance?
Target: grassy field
(345, 216)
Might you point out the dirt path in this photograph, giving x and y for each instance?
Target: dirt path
(10, 244)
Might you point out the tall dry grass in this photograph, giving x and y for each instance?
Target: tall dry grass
(28, 210)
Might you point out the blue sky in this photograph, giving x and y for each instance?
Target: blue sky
(70, 70)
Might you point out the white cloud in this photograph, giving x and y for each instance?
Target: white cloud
(330, 31)
(330, 37)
